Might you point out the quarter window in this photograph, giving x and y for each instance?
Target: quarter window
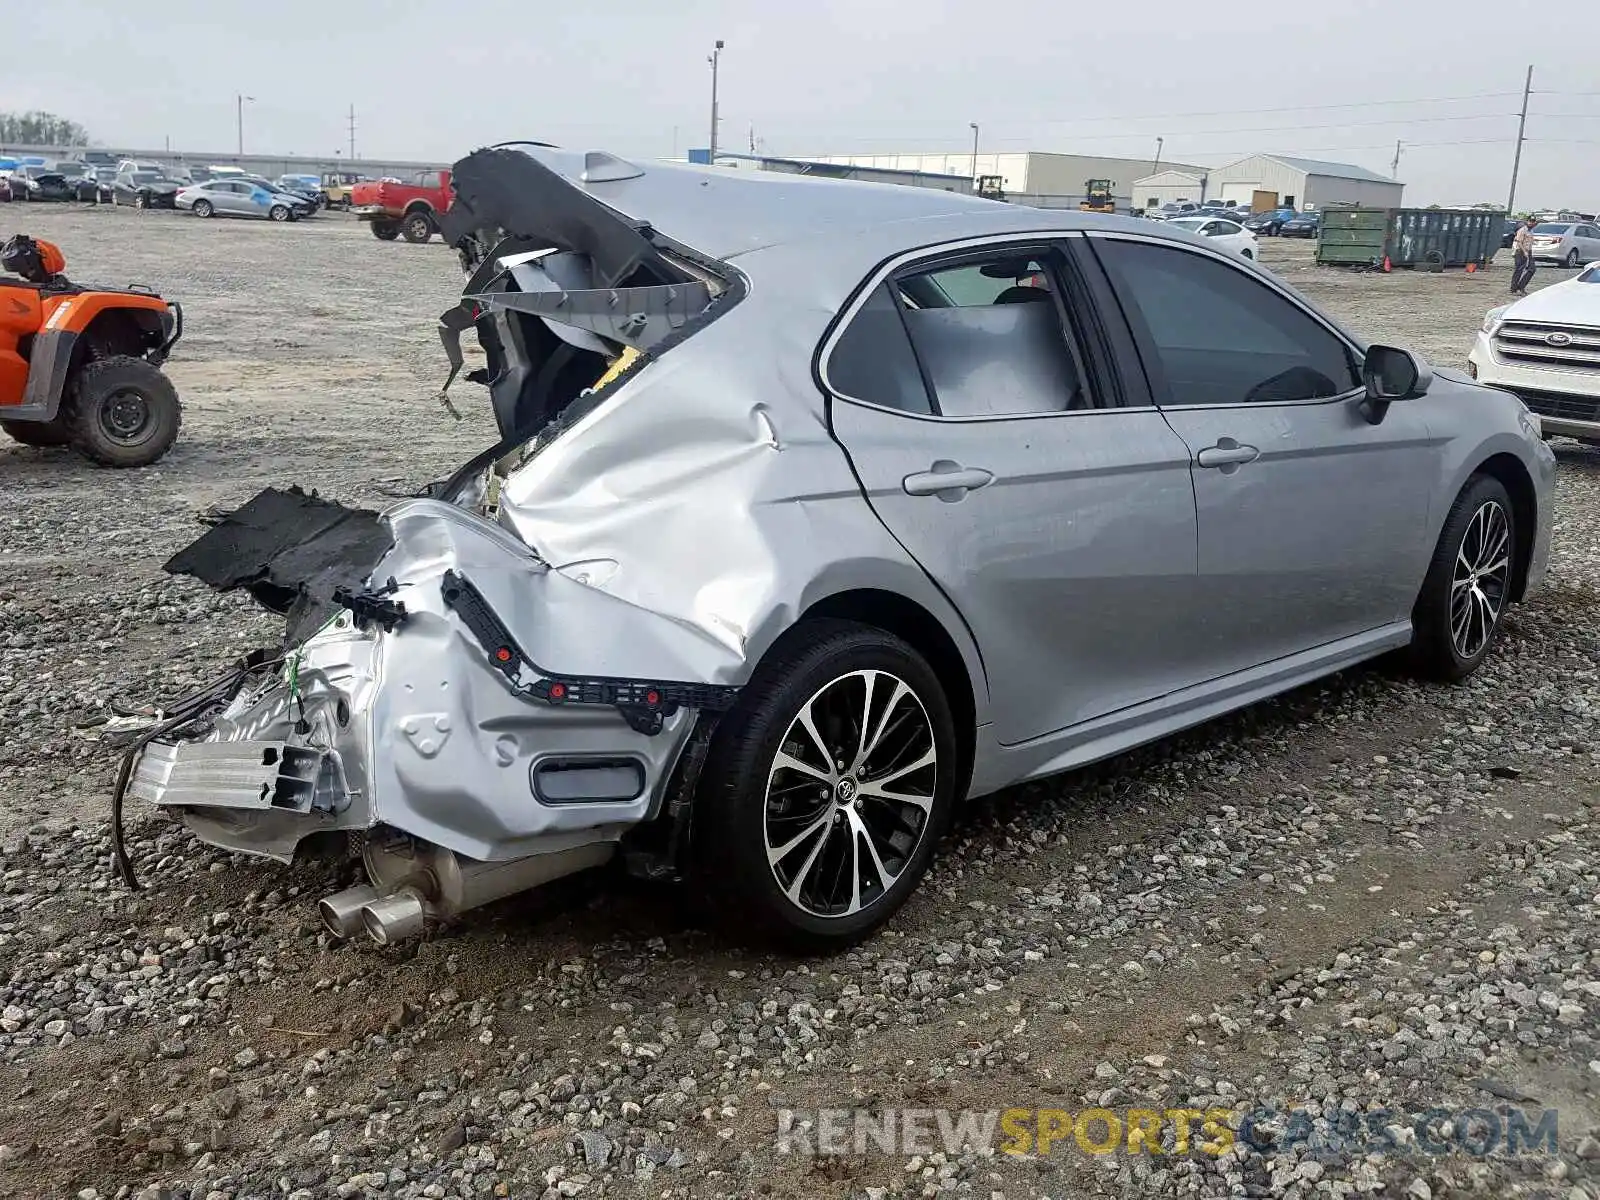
(1216, 336)
(872, 360)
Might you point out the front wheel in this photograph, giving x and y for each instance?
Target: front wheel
(123, 412)
(279, 212)
(417, 227)
(826, 789)
(202, 208)
(142, 200)
(1468, 585)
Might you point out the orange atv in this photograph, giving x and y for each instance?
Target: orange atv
(81, 366)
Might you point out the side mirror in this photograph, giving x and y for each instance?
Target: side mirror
(1391, 373)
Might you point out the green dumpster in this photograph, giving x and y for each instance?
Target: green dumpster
(1409, 237)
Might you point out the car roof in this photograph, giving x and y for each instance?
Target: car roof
(727, 211)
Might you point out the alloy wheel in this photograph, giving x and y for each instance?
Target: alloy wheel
(850, 793)
(1479, 581)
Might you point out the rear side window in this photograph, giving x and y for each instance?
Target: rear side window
(1217, 336)
(872, 360)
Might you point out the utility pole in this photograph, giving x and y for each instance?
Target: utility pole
(715, 60)
(752, 137)
(352, 133)
(1155, 167)
(974, 126)
(1516, 159)
(239, 99)
(1394, 167)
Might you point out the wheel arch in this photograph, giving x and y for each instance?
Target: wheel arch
(421, 206)
(905, 618)
(1514, 477)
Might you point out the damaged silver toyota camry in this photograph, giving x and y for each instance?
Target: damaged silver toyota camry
(819, 507)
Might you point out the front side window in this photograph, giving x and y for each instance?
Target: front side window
(1216, 336)
(982, 337)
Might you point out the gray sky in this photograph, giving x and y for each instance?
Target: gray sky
(433, 80)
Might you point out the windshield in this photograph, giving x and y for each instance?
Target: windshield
(1188, 222)
(1550, 227)
(145, 176)
(1591, 274)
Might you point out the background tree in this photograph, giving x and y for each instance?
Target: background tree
(41, 129)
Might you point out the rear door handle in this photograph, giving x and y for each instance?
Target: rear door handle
(947, 480)
(1227, 454)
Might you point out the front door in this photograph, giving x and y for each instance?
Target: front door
(1063, 530)
(1312, 520)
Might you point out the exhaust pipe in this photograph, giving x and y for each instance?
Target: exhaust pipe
(392, 918)
(417, 883)
(341, 912)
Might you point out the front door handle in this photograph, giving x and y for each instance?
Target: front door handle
(1227, 454)
(947, 480)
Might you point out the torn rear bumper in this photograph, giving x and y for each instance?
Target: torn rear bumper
(467, 727)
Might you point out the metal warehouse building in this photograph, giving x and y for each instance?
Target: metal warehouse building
(1302, 182)
(1168, 187)
(1028, 177)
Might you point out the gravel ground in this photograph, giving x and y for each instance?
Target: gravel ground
(1364, 895)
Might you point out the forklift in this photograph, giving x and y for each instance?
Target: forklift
(1098, 196)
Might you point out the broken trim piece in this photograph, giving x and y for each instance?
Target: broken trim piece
(644, 704)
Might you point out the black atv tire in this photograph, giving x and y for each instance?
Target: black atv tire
(123, 412)
(38, 433)
(417, 227)
(386, 231)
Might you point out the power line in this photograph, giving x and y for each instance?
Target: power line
(1286, 108)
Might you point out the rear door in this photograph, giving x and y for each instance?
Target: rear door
(1313, 522)
(974, 398)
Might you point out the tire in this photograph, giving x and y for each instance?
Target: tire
(1457, 614)
(279, 212)
(802, 900)
(202, 208)
(1572, 259)
(386, 231)
(38, 433)
(141, 200)
(123, 412)
(417, 227)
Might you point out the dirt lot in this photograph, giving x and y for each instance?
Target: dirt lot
(1366, 895)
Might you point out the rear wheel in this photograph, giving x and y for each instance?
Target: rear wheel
(38, 433)
(417, 227)
(202, 208)
(1572, 259)
(123, 412)
(826, 789)
(1468, 585)
(386, 231)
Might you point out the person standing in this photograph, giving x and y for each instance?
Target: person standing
(1522, 267)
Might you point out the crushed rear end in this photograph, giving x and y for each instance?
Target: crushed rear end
(472, 717)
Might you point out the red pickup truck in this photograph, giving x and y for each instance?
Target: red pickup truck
(409, 210)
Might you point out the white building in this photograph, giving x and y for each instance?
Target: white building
(1056, 180)
(1302, 182)
(1168, 187)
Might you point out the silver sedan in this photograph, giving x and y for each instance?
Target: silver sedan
(819, 508)
(241, 198)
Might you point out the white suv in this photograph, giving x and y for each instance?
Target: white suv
(1546, 349)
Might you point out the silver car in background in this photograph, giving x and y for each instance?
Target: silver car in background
(242, 198)
(818, 508)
